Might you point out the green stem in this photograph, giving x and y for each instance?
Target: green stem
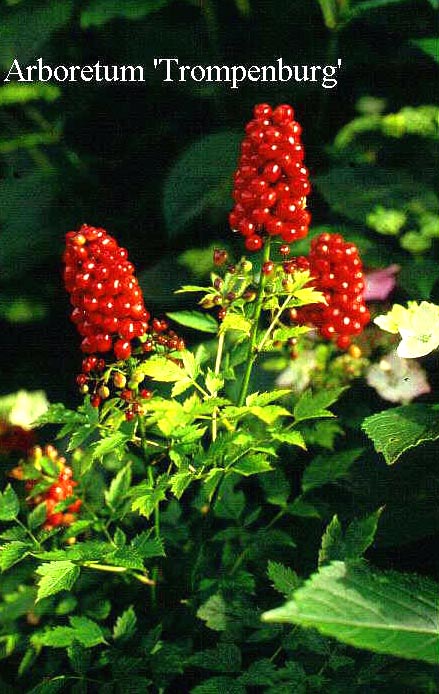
(153, 583)
(273, 322)
(219, 355)
(252, 353)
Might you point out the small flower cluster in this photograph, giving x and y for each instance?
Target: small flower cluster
(271, 182)
(49, 480)
(109, 311)
(337, 272)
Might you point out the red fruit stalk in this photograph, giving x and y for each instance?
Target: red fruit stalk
(109, 311)
(337, 271)
(271, 182)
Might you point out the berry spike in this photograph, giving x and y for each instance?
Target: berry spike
(337, 271)
(109, 311)
(271, 183)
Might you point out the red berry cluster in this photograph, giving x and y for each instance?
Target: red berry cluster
(337, 271)
(60, 489)
(271, 182)
(108, 304)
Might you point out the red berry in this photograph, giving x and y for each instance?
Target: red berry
(95, 401)
(253, 243)
(146, 394)
(267, 267)
(122, 349)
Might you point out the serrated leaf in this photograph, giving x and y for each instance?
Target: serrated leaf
(219, 685)
(57, 413)
(214, 382)
(56, 576)
(259, 674)
(397, 430)
(386, 612)
(263, 399)
(37, 516)
(360, 534)
(12, 553)
(251, 465)
(180, 481)
(214, 613)
(332, 545)
(292, 438)
(147, 546)
(235, 321)
(81, 629)
(109, 444)
(226, 657)
(312, 405)
(284, 579)
(119, 487)
(284, 334)
(163, 369)
(9, 504)
(270, 413)
(125, 625)
(147, 499)
(327, 468)
(196, 320)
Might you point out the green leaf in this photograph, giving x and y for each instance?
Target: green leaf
(180, 481)
(9, 504)
(119, 487)
(13, 93)
(292, 438)
(12, 553)
(147, 499)
(146, 546)
(226, 657)
(219, 685)
(110, 444)
(270, 413)
(214, 613)
(81, 629)
(163, 369)
(251, 465)
(235, 321)
(360, 534)
(214, 382)
(397, 430)
(354, 192)
(37, 516)
(328, 468)
(99, 12)
(196, 320)
(332, 546)
(56, 576)
(430, 46)
(200, 180)
(125, 625)
(284, 579)
(312, 405)
(386, 612)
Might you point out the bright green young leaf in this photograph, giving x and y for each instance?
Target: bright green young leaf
(327, 468)
(314, 405)
(196, 320)
(214, 613)
(270, 413)
(251, 465)
(292, 438)
(56, 576)
(235, 321)
(386, 612)
(110, 444)
(180, 481)
(163, 369)
(214, 382)
(397, 430)
(9, 505)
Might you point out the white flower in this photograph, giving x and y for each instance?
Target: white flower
(418, 325)
(398, 380)
(23, 408)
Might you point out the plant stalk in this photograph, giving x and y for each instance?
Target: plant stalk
(252, 353)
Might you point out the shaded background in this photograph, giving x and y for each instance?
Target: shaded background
(152, 162)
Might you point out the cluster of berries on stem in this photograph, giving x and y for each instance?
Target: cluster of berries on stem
(52, 489)
(336, 270)
(271, 183)
(109, 311)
